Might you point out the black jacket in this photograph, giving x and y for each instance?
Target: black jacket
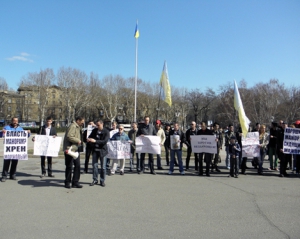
(167, 141)
(204, 132)
(188, 134)
(42, 130)
(101, 141)
(146, 130)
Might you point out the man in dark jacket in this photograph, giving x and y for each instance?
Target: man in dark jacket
(99, 138)
(282, 156)
(132, 136)
(219, 136)
(48, 130)
(272, 146)
(146, 129)
(88, 148)
(207, 156)
(191, 131)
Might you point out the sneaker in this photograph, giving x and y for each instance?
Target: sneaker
(182, 173)
(43, 175)
(170, 172)
(270, 168)
(3, 180)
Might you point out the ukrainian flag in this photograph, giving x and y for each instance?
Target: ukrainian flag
(165, 86)
(136, 32)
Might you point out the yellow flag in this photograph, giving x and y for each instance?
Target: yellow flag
(136, 32)
(238, 105)
(165, 86)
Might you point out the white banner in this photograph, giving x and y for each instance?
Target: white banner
(118, 149)
(46, 145)
(250, 145)
(148, 144)
(15, 145)
(175, 142)
(291, 142)
(204, 144)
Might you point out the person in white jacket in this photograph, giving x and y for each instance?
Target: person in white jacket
(161, 134)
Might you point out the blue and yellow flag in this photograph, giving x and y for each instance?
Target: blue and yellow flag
(136, 32)
(165, 86)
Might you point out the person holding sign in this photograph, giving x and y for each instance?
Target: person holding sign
(48, 130)
(99, 138)
(122, 137)
(14, 126)
(207, 156)
(177, 138)
(73, 139)
(146, 129)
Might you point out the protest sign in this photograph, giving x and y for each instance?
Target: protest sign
(291, 142)
(250, 145)
(118, 149)
(15, 145)
(148, 144)
(204, 144)
(175, 142)
(46, 145)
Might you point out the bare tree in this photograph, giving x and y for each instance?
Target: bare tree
(74, 84)
(3, 84)
(40, 83)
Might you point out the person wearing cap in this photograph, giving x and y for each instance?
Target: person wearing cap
(281, 155)
(234, 152)
(161, 134)
(120, 136)
(272, 147)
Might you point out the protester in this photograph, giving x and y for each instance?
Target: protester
(48, 130)
(122, 137)
(282, 156)
(161, 134)
(132, 136)
(167, 143)
(191, 131)
(146, 129)
(176, 148)
(272, 147)
(234, 152)
(255, 160)
(207, 156)
(263, 143)
(73, 139)
(297, 165)
(112, 131)
(228, 135)
(88, 148)
(13, 126)
(99, 138)
(217, 133)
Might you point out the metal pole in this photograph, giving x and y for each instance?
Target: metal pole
(136, 72)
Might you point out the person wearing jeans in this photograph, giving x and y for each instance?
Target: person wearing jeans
(99, 138)
(177, 138)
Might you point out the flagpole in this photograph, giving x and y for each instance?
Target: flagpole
(136, 72)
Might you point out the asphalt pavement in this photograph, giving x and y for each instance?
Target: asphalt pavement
(149, 206)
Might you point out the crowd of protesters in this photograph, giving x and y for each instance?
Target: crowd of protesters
(270, 143)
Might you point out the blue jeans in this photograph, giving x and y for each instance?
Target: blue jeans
(227, 159)
(179, 157)
(261, 160)
(96, 156)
